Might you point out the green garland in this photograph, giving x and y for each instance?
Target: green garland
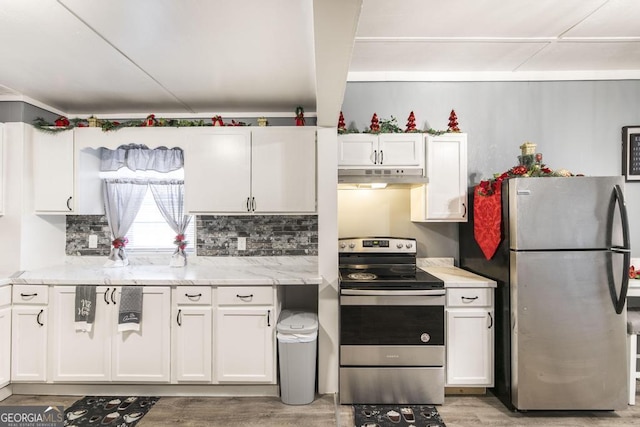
(109, 125)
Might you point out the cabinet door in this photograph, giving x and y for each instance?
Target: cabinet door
(217, 167)
(29, 344)
(400, 149)
(357, 150)
(2, 177)
(444, 198)
(79, 356)
(283, 170)
(53, 172)
(192, 344)
(5, 346)
(244, 347)
(144, 355)
(469, 347)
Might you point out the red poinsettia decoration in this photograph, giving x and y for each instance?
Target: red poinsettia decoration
(633, 274)
(120, 242)
(180, 241)
(489, 187)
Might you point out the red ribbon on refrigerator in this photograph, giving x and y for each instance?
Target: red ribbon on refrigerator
(487, 220)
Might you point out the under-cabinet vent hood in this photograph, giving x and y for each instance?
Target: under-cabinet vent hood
(409, 177)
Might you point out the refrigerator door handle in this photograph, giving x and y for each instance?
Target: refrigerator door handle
(625, 250)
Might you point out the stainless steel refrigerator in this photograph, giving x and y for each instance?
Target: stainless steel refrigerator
(562, 272)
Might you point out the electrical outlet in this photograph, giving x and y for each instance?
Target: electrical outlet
(93, 241)
(242, 243)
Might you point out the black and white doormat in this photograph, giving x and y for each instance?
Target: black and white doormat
(121, 411)
(397, 415)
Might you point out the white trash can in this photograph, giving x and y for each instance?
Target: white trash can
(297, 343)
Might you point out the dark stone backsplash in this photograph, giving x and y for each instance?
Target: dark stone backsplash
(267, 235)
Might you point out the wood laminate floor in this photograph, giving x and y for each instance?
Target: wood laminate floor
(457, 411)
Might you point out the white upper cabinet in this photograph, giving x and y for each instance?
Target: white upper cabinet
(284, 170)
(444, 197)
(217, 171)
(380, 151)
(53, 172)
(266, 170)
(2, 178)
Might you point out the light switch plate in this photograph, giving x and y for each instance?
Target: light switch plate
(242, 243)
(93, 241)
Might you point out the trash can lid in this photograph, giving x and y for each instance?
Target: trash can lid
(297, 322)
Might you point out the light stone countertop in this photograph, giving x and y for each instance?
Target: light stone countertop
(229, 271)
(453, 277)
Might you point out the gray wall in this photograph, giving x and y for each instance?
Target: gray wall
(576, 125)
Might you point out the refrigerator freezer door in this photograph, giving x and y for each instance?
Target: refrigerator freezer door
(563, 213)
(568, 343)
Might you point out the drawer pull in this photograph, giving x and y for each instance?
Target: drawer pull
(469, 298)
(35, 294)
(179, 317)
(193, 296)
(105, 296)
(38, 318)
(245, 297)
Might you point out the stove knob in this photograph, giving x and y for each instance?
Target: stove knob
(409, 245)
(425, 337)
(343, 245)
(399, 245)
(352, 245)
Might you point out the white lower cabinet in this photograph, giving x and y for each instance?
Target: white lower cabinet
(105, 354)
(191, 334)
(470, 337)
(5, 335)
(29, 323)
(245, 327)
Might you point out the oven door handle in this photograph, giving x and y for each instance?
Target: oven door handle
(372, 292)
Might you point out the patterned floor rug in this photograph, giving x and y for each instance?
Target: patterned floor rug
(121, 411)
(397, 416)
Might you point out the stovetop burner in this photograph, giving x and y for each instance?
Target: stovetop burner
(362, 276)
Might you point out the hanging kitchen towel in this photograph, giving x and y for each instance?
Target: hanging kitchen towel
(130, 312)
(85, 307)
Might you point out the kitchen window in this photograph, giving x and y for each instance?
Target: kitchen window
(151, 233)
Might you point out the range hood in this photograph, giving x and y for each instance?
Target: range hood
(396, 177)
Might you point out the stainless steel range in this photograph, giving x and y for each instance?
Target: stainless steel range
(391, 324)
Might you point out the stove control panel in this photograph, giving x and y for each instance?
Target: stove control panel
(377, 245)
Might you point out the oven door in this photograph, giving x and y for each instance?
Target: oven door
(391, 328)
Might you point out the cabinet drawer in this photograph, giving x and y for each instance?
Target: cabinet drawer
(469, 297)
(192, 295)
(30, 294)
(5, 295)
(245, 295)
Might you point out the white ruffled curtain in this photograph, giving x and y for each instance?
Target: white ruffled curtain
(139, 157)
(169, 197)
(122, 201)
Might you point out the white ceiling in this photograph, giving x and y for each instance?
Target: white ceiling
(197, 57)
